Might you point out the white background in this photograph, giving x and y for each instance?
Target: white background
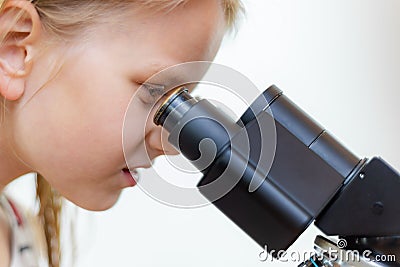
(338, 60)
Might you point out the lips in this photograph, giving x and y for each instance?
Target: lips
(131, 175)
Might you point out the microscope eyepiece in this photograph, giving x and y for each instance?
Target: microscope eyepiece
(174, 107)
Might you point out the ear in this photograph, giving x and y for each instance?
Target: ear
(20, 28)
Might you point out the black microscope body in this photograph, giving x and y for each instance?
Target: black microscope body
(312, 178)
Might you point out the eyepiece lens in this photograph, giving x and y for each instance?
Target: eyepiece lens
(164, 109)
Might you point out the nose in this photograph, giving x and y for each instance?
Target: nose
(157, 142)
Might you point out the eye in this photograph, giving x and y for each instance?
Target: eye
(149, 92)
(155, 90)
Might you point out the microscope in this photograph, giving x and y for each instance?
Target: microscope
(310, 178)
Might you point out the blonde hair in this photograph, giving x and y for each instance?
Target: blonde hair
(63, 18)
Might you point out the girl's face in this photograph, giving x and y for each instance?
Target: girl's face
(70, 130)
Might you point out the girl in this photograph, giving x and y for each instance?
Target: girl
(68, 70)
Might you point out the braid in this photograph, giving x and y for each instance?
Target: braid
(49, 215)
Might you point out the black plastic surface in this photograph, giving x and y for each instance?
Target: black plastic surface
(290, 116)
(293, 192)
(368, 206)
(335, 154)
(260, 103)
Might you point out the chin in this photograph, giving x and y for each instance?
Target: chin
(98, 203)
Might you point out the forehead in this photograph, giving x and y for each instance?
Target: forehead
(191, 32)
(141, 42)
(193, 27)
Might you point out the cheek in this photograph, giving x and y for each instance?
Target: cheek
(78, 151)
(59, 131)
(134, 129)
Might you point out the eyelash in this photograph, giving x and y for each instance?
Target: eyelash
(154, 89)
(154, 92)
